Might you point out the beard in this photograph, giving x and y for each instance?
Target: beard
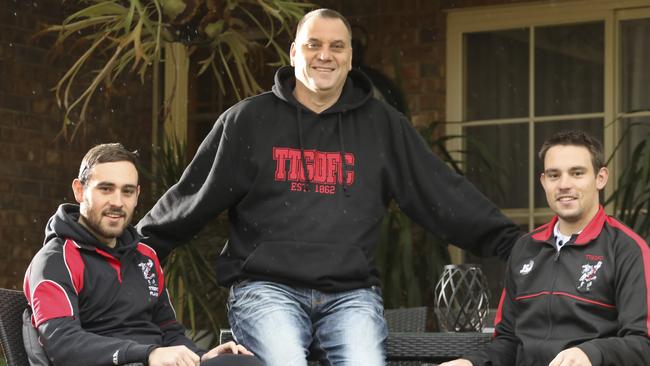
(101, 227)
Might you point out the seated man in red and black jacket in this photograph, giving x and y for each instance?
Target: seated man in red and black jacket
(96, 293)
(577, 290)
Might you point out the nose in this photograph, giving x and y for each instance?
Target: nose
(116, 200)
(325, 54)
(565, 182)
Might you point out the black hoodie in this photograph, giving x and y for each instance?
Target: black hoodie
(318, 231)
(96, 305)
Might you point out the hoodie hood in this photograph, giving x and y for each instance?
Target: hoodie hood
(64, 224)
(356, 91)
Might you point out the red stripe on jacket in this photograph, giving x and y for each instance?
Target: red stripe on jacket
(113, 262)
(74, 264)
(560, 293)
(49, 301)
(645, 254)
(499, 314)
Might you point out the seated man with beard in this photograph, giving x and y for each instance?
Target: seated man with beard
(97, 294)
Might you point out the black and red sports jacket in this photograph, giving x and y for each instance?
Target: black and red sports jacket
(593, 294)
(95, 305)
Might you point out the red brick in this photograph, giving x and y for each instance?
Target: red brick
(427, 102)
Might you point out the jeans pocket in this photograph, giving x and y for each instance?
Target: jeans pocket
(238, 291)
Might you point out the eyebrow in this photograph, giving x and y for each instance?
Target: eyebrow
(572, 169)
(320, 41)
(111, 184)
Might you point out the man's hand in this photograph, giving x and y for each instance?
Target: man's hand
(571, 357)
(173, 356)
(230, 347)
(458, 362)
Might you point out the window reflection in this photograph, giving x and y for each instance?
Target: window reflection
(635, 65)
(497, 74)
(569, 69)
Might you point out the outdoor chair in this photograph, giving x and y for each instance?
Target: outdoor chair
(408, 344)
(397, 320)
(12, 306)
(406, 319)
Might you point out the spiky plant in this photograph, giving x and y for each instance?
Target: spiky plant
(124, 35)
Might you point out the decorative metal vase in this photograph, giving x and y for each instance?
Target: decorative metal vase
(462, 298)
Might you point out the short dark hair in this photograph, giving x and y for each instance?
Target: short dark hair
(105, 153)
(576, 138)
(324, 13)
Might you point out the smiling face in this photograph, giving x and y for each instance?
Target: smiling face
(321, 56)
(107, 199)
(572, 186)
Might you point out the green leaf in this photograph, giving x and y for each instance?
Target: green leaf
(214, 29)
(98, 10)
(172, 8)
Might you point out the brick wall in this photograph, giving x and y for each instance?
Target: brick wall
(36, 169)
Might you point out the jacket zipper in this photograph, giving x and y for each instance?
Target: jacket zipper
(549, 330)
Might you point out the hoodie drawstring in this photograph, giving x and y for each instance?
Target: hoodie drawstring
(341, 147)
(302, 149)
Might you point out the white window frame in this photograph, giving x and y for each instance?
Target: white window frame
(492, 18)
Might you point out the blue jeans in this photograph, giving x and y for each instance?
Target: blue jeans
(278, 323)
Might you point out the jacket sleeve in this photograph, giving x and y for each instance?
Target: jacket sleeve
(446, 203)
(631, 345)
(503, 348)
(66, 343)
(52, 294)
(208, 186)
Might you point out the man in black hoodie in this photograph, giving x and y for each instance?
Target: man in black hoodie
(96, 293)
(306, 173)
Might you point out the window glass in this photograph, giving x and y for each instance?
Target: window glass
(497, 162)
(635, 65)
(569, 69)
(497, 74)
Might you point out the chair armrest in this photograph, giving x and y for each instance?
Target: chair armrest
(433, 347)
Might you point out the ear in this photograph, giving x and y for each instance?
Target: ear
(601, 178)
(292, 53)
(78, 190)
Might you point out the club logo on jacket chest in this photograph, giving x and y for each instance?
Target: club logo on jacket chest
(589, 272)
(325, 170)
(149, 274)
(527, 267)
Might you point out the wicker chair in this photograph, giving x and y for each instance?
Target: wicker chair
(410, 320)
(12, 305)
(405, 320)
(409, 345)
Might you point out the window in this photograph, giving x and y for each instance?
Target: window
(517, 74)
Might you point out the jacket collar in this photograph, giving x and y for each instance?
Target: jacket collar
(589, 233)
